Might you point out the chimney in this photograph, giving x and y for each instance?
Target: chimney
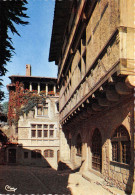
(28, 70)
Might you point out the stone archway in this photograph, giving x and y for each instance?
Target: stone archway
(97, 150)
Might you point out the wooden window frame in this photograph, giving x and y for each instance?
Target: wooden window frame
(42, 109)
(48, 153)
(33, 130)
(122, 156)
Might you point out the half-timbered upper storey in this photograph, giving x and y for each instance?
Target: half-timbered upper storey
(92, 44)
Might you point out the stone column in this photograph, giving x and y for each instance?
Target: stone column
(54, 89)
(38, 87)
(46, 89)
(30, 86)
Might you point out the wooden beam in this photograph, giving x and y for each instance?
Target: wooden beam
(112, 95)
(87, 101)
(103, 102)
(101, 89)
(93, 95)
(130, 81)
(71, 51)
(89, 110)
(110, 80)
(122, 89)
(96, 107)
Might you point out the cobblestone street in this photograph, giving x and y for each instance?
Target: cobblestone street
(33, 180)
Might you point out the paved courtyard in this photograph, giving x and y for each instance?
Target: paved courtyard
(33, 180)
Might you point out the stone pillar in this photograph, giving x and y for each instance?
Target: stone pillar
(54, 89)
(46, 89)
(84, 166)
(38, 87)
(64, 147)
(133, 191)
(30, 87)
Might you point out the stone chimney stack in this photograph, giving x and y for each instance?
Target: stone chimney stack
(28, 70)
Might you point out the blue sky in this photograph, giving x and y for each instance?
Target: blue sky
(33, 45)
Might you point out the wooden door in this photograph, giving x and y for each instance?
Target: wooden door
(12, 155)
(97, 150)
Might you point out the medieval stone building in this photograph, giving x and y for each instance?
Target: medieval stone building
(93, 45)
(35, 139)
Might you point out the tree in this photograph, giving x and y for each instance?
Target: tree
(11, 13)
(4, 107)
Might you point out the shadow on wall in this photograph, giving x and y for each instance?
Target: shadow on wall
(55, 181)
(15, 154)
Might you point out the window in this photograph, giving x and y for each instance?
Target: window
(36, 154)
(45, 133)
(45, 126)
(51, 126)
(25, 154)
(39, 110)
(42, 130)
(33, 133)
(51, 133)
(79, 145)
(121, 145)
(45, 110)
(39, 126)
(33, 126)
(49, 153)
(57, 106)
(39, 133)
(42, 110)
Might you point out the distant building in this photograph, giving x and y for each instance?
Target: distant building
(35, 140)
(92, 44)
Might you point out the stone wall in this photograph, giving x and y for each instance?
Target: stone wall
(28, 143)
(118, 174)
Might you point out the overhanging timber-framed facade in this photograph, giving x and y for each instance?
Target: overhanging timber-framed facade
(96, 78)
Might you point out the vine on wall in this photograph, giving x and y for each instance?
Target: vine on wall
(22, 101)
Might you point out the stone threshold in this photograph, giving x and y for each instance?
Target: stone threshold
(93, 178)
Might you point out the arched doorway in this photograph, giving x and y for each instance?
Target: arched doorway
(79, 145)
(97, 150)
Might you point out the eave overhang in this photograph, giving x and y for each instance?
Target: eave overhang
(61, 16)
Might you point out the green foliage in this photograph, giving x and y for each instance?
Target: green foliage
(4, 107)
(11, 14)
(32, 102)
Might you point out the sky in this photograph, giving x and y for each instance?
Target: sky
(34, 44)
